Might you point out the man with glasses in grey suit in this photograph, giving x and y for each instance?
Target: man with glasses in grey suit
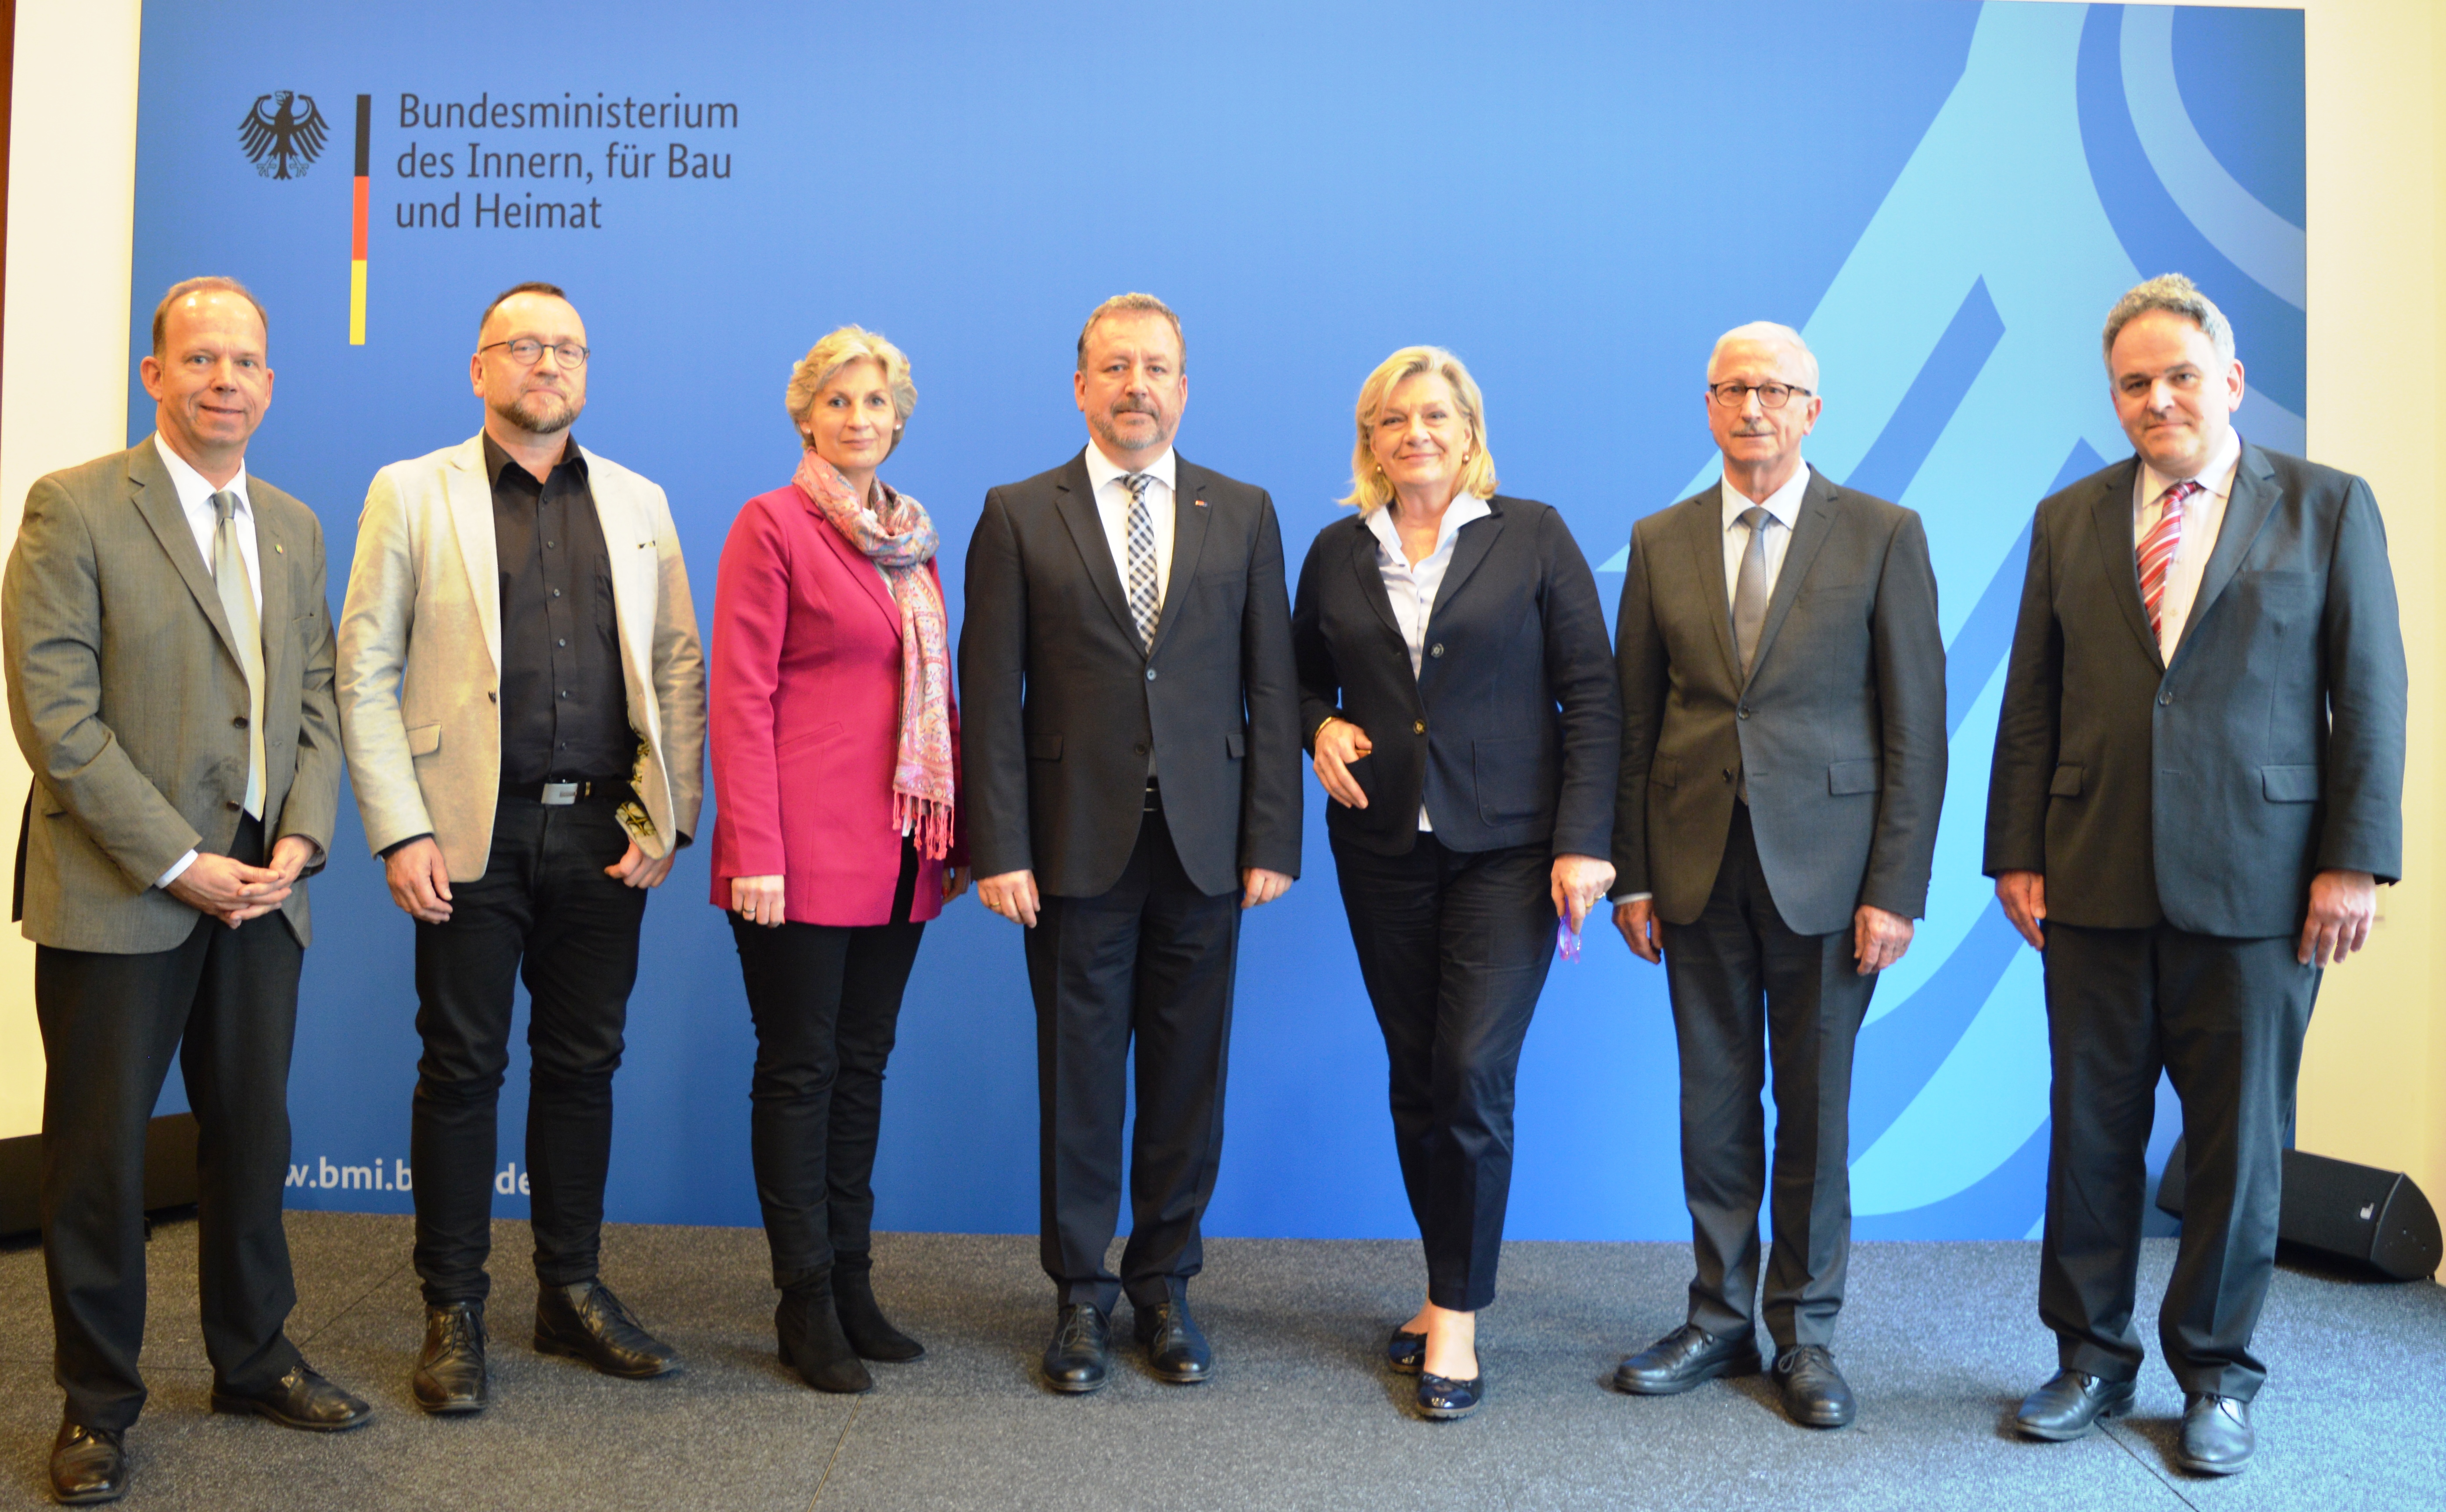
(169, 650)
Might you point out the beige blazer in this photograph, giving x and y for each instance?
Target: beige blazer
(128, 701)
(421, 653)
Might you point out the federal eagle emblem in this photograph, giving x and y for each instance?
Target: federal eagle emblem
(283, 134)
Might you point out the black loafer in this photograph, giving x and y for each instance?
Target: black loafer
(450, 1376)
(87, 1466)
(2070, 1404)
(1442, 1399)
(586, 1322)
(1684, 1358)
(1080, 1358)
(1405, 1352)
(1815, 1392)
(2217, 1437)
(1177, 1348)
(301, 1399)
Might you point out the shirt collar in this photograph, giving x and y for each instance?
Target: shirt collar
(1458, 513)
(1784, 503)
(2215, 477)
(195, 491)
(1100, 470)
(497, 461)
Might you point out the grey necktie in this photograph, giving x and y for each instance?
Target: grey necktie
(1750, 588)
(1141, 585)
(237, 601)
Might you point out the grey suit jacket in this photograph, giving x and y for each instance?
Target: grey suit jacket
(1840, 726)
(2205, 792)
(128, 701)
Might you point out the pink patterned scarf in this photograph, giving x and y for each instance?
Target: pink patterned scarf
(900, 542)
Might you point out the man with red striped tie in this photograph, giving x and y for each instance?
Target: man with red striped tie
(2197, 789)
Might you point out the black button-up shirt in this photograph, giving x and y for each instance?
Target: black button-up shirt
(564, 704)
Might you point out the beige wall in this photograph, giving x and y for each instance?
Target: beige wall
(2374, 1086)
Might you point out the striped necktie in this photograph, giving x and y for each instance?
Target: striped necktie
(1141, 585)
(238, 602)
(2157, 550)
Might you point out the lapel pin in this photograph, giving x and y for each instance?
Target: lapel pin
(278, 549)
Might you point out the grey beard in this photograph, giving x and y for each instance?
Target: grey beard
(1109, 433)
(553, 423)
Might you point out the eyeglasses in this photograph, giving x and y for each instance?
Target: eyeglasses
(1773, 395)
(527, 351)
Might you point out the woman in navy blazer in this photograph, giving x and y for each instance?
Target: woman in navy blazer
(835, 746)
(1459, 696)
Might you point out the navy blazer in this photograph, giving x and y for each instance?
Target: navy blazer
(1511, 730)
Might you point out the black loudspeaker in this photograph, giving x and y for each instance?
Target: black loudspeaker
(2358, 1214)
(169, 1173)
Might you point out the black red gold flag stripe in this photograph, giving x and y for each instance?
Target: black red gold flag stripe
(357, 253)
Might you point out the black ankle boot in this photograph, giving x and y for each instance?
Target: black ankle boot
(870, 1332)
(810, 1338)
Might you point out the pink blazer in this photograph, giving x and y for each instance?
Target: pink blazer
(805, 716)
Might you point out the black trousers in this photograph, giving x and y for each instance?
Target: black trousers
(1453, 946)
(1151, 960)
(225, 1001)
(2225, 1020)
(543, 910)
(826, 1001)
(1749, 993)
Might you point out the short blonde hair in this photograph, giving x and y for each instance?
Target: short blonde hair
(1370, 488)
(1133, 304)
(827, 358)
(208, 284)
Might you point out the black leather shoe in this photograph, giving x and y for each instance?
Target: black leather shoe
(1684, 1358)
(870, 1332)
(1405, 1352)
(1443, 1399)
(1814, 1394)
(1177, 1348)
(301, 1399)
(2217, 1438)
(2070, 1403)
(450, 1377)
(587, 1322)
(1081, 1356)
(87, 1466)
(812, 1341)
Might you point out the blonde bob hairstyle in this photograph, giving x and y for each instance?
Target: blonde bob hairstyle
(824, 361)
(1371, 489)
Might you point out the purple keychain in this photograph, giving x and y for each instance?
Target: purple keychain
(1567, 939)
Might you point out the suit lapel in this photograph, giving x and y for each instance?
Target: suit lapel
(1470, 545)
(1075, 502)
(470, 496)
(856, 563)
(2246, 511)
(1702, 533)
(1190, 515)
(1364, 563)
(157, 500)
(271, 562)
(1818, 502)
(2110, 522)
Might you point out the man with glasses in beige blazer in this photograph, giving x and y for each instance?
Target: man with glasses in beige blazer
(522, 697)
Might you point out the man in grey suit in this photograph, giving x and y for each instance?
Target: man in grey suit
(170, 683)
(2197, 788)
(1783, 768)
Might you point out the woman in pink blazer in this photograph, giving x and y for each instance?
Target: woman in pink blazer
(837, 835)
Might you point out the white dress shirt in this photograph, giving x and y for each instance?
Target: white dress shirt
(196, 500)
(1413, 585)
(1783, 508)
(1113, 508)
(2202, 518)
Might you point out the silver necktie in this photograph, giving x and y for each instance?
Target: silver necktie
(1141, 585)
(1750, 588)
(237, 601)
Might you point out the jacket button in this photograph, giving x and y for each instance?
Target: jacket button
(1745, 712)
(1418, 726)
(232, 805)
(1138, 749)
(2164, 698)
(1438, 649)
(1150, 674)
(1728, 774)
(492, 697)
(239, 722)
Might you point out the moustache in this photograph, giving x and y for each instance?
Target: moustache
(1132, 407)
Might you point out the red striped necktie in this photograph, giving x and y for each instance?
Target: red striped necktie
(2157, 550)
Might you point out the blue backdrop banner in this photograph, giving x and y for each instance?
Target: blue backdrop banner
(1576, 197)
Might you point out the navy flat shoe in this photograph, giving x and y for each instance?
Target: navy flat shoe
(1443, 1399)
(1405, 1352)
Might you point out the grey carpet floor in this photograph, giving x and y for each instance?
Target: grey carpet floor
(1938, 1340)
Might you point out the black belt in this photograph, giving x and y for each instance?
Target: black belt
(560, 794)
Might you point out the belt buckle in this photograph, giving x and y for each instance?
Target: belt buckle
(560, 794)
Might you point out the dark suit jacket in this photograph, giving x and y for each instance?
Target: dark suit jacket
(1510, 730)
(1840, 728)
(2207, 792)
(128, 700)
(1062, 704)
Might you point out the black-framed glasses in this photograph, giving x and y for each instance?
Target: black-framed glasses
(526, 351)
(1773, 396)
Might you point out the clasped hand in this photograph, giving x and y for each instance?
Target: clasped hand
(232, 892)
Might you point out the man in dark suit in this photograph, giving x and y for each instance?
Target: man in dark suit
(169, 654)
(1783, 768)
(1131, 744)
(2197, 788)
